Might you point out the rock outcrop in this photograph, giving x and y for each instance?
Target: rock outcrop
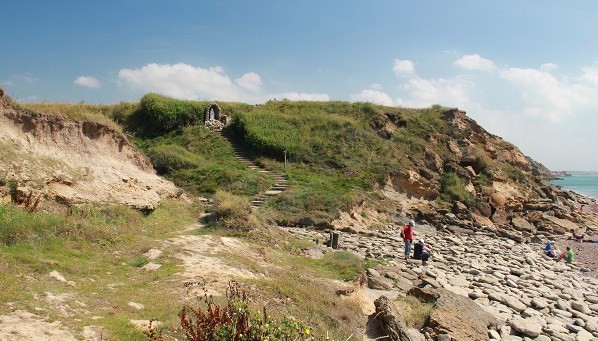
(454, 315)
(75, 162)
(506, 189)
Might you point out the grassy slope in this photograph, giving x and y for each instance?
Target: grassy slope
(100, 249)
(337, 158)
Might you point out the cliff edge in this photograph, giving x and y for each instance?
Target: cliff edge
(74, 162)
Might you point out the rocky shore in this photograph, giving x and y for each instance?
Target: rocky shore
(531, 296)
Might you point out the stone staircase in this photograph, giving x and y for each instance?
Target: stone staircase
(281, 182)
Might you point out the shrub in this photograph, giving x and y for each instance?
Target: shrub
(139, 261)
(12, 190)
(451, 186)
(165, 114)
(513, 173)
(236, 321)
(233, 211)
(170, 157)
(414, 312)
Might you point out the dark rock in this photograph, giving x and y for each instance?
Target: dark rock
(482, 208)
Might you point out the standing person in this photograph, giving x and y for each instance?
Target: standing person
(568, 254)
(407, 235)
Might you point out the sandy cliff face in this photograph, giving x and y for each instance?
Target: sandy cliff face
(75, 162)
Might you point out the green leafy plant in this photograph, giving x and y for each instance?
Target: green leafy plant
(452, 187)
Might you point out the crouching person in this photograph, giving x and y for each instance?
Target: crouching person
(421, 252)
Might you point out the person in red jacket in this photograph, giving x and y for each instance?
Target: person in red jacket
(407, 234)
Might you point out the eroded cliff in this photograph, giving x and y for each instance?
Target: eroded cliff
(74, 162)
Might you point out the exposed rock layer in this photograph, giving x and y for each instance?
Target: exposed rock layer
(75, 162)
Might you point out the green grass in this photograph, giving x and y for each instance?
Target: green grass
(293, 284)
(111, 114)
(414, 312)
(201, 162)
(453, 188)
(99, 248)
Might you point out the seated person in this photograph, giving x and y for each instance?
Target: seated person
(578, 237)
(550, 249)
(568, 254)
(420, 252)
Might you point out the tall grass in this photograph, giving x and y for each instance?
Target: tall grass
(91, 223)
(201, 162)
(110, 114)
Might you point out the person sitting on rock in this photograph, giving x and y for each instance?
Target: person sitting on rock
(578, 237)
(568, 254)
(550, 249)
(407, 235)
(421, 252)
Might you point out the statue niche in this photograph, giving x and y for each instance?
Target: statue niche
(214, 119)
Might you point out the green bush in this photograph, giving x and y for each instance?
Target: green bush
(170, 157)
(165, 114)
(452, 187)
(514, 173)
(233, 212)
(201, 162)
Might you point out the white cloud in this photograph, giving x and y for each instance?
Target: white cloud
(250, 81)
(181, 81)
(403, 68)
(372, 96)
(302, 96)
(87, 81)
(420, 92)
(475, 62)
(590, 75)
(193, 82)
(543, 94)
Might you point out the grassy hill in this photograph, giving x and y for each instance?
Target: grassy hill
(340, 153)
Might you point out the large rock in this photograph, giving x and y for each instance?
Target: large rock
(455, 315)
(528, 327)
(522, 224)
(498, 200)
(413, 183)
(561, 225)
(390, 321)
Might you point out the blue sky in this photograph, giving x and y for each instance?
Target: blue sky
(525, 70)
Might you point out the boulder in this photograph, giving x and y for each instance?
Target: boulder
(528, 327)
(521, 224)
(455, 315)
(498, 200)
(389, 321)
(378, 282)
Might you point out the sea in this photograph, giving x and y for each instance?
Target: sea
(584, 183)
